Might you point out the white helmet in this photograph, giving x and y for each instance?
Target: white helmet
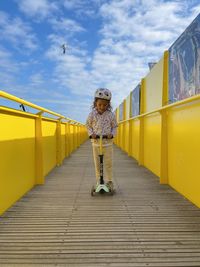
(103, 93)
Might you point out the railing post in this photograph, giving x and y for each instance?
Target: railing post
(164, 127)
(79, 135)
(58, 143)
(141, 142)
(76, 136)
(141, 138)
(164, 149)
(165, 79)
(71, 138)
(130, 137)
(39, 175)
(66, 139)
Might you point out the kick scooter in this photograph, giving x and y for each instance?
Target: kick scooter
(101, 187)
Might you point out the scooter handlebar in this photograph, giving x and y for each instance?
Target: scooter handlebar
(98, 137)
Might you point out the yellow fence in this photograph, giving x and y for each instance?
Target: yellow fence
(165, 138)
(31, 145)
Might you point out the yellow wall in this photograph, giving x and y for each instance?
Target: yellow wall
(126, 136)
(152, 142)
(63, 141)
(49, 145)
(183, 151)
(153, 88)
(17, 157)
(30, 147)
(135, 138)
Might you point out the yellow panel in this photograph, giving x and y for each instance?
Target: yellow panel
(126, 136)
(152, 142)
(184, 149)
(135, 138)
(117, 114)
(153, 88)
(49, 145)
(71, 137)
(17, 158)
(120, 134)
(62, 141)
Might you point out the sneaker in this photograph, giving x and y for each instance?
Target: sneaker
(110, 185)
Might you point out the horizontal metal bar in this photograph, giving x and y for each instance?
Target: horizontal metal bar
(41, 109)
(179, 103)
(19, 100)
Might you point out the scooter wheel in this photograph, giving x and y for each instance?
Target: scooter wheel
(92, 191)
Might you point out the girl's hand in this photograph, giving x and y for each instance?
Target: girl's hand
(110, 136)
(93, 136)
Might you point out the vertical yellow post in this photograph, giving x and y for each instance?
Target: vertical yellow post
(165, 79)
(39, 176)
(74, 130)
(66, 139)
(141, 142)
(141, 138)
(120, 135)
(58, 144)
(124, 126)
(130, 137)
(81, 134)
(164, 127)
(72, 137)
(78, 135)
(130, 127)
(164, 149)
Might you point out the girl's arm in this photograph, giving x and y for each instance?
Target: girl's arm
(113, 125)
(89, 125)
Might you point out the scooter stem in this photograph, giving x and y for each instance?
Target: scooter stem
(101, 145)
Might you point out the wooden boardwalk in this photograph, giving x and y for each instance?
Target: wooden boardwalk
(60, 224)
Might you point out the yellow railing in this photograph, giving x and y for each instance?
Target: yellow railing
(31, 145)
(166, 141)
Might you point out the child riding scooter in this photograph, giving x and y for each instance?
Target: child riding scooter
(101, 122)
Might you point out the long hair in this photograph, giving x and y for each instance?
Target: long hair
(109, 108)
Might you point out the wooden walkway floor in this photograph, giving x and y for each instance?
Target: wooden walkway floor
(60, 224)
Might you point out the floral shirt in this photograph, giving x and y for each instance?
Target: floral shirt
(101, 124)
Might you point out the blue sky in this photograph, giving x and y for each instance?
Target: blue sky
(109, 44)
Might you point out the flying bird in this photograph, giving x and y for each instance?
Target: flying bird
(64, 47)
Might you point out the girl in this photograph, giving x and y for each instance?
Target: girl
(102, 121)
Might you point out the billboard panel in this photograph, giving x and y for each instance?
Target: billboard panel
(184, 64)
(135, 108)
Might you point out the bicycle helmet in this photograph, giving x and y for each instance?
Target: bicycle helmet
(103, 93)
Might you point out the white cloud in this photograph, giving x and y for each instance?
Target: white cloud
(37, 79)
(75, 108)
(83, 8)
(39, 9)
(6, 61)
(68, 26)
(17, 33)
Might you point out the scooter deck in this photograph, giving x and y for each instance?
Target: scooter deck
(101, 189)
